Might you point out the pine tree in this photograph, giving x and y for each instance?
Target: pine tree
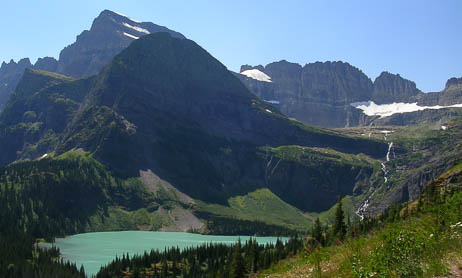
(238, 267)
(253, 255)
(339, 228)
(317, 231)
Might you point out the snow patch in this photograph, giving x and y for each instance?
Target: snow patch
(272, 101)
(43, 156)
(269, 111)
(130, 36)
(257, 75)
(131, 19)
(138, 29)
(385, 110)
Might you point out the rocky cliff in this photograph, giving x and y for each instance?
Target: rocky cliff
(389, 88)
(317, 94)
(320, 94)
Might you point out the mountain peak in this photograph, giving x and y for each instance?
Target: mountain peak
(110, 33)
(117, 15)
(453, 82)
(389, 87)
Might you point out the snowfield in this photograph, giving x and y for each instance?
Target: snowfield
(257, 75)
(272, 101)
(138, 29)
(131, 19)
(385, 110)
(131, 36)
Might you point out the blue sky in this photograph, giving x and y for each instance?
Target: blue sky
(419, 39)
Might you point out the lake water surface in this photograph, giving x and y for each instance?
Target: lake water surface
(92, 250)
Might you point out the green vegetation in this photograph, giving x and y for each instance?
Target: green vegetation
(419, 239)
(261, 205)
(208, 260)
(312, 156)
(71, 193)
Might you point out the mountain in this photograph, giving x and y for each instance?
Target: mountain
(451, 94)
(389, 88)
(317, 94)
(168, 114)
(109, 34)
(93, 49)
(328, 95)
(162, 90)
(38, 112)
(10, 74)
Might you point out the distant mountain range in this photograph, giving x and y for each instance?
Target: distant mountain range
(317, 94)
(324, 94)
(93, 49)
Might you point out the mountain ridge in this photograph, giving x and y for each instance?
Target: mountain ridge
(110, 33)
(320, 93)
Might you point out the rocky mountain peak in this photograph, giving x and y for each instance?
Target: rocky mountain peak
(454, 84)
(338, 83)
(249, 67)
(47, 64)
(389, 88)
(110, 33)
(12, 66)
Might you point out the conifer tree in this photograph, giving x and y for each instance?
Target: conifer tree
(317, 231)
(238, 267)
(339, 228)
(253, 255)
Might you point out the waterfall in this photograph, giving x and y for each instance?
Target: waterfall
(390, 146)
(364, 205)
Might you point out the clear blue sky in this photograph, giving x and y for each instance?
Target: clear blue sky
(420, 39)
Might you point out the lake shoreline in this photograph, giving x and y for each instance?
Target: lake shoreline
(95, 249)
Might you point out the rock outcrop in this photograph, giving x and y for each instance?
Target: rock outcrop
(389, 88)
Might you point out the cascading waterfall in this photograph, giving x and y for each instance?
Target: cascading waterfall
(364, 205)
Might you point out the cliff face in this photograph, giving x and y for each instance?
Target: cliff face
(389, 88)
(321, 94)
(317, 94)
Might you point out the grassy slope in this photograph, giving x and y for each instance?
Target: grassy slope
(261, 205)
(426, 244)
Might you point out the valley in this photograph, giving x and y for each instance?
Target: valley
(138, 130)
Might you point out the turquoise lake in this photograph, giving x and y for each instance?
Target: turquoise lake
(92, 250)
